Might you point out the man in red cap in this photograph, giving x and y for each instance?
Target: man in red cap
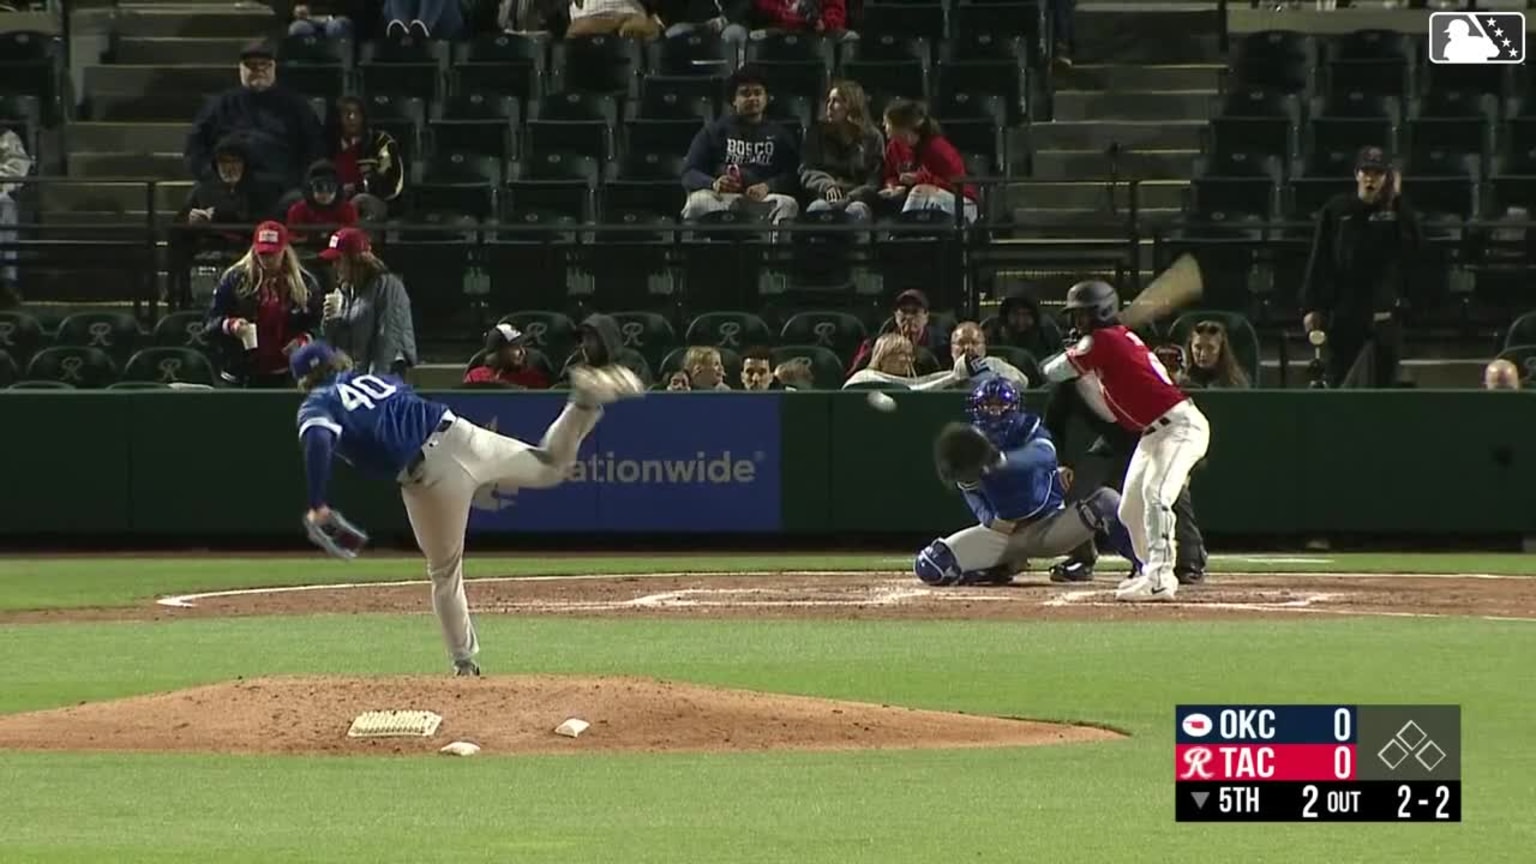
(369, 314)
(264, 306)
(505, 361)
(910, 318)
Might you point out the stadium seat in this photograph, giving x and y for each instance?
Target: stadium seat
(826, 369)
(590, 138)
(1438, 198)
(1230, 199)
(76, 365)
(552, 200)
(553, 333)
(315, 66)
(169, 365)
(9, 373)
(970, 22)
(181, 330)
(1331, 144)
(737, 331)
(660, 136)
(1490, 79)
(401, 66)
(648, 166)
(1005, 82)
(402, 116)
(20, 336)
(888, 48)
(1307, 195)
(1275, 59)
(480, 123)
(596, 64)
(455, 186)
(694, 100)
(41, 385)
(1021, 359)
(518, 80)
(1240, 334)
(649, 333)
(1464, 135)
(885, 80)
(116, 333)
(916, 20)
(559, 167)
(795, 64)
(20, 112)
(32, 63)
(1524, 358)
(1380, 77)
(138, 385)
(1522, 331)
(698, 53)
(839, 332)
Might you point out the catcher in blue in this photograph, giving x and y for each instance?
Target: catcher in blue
(379, 425)
(1004, 463)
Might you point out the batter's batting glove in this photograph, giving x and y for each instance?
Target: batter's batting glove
(333, 533)
(961, 453)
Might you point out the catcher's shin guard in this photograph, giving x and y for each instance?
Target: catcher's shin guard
(936, 565)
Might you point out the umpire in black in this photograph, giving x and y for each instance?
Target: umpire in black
(1113, 448)
(1357, 281)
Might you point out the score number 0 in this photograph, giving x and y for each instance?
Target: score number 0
(1343, 760)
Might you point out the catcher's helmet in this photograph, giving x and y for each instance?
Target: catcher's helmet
(1095, 297)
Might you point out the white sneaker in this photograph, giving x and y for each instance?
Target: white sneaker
(1148, 589)
(1128, 581)
(594, 386)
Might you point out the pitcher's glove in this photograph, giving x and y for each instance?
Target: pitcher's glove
(961, 453)
(331, 531)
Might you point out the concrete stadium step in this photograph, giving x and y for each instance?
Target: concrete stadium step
(140, 108)
(1096, 164)
(1146, 33)
(1121, 76)
(197, 19)
(1083, 222)
(1073, 195)
(1142, 104)
(148, 165)
(1133, 134)
(107, 197)
(178, 50)
(146, 79)
(126, 137)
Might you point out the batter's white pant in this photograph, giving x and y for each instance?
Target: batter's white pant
(1159, 468)
(458, 461)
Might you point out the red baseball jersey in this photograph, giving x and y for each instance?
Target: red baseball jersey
(1135, 385)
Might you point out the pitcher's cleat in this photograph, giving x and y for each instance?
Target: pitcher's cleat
(466, 669)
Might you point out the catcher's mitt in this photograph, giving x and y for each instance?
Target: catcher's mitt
(336, 535)
(961, 452)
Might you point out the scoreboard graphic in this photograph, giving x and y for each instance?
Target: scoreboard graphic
(1317, 763)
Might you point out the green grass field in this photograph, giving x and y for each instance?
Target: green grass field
(1104, 802)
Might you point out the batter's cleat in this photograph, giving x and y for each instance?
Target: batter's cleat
(1128, 581)
(1072, 571)
(600, 385)
(1189, 576)
(466, 669)
(1148, 589)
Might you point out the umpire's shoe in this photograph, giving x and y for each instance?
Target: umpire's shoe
(466, 669)
(1189, 576)
(1072, 570)
(599, 385)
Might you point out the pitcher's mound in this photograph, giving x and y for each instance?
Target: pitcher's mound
(507, 715)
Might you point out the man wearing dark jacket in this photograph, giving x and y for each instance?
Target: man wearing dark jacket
(230, 195)
(743, 161)
(602, 344)
(1358, 278)
(282, 134)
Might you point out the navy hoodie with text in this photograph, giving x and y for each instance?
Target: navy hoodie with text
(764, 152)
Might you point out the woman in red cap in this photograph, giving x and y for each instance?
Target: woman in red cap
(264, 306)
(369, 314)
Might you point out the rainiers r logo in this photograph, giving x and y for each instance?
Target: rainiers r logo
(1477, 39)
(1195, 761)
(1197, 725)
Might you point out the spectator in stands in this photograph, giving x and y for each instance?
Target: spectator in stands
(1212, 363)
(368, 161)
(322, 206)
(1019, 324)
(265, 306)
(282, 134)
(505, 361)
(842, 160)
(682, 17)
(369, 314)
(1363, 254)
(230, 195)
(423, 19)
(743, 161)
(678, 382)
(829, 17)
(705, 368)
(14, 162)
(969, 340)
(793, 374)
(892, 362)
(910, 318)
(1063, 36)
(625, 18)
(757, 369)
(331, 19)
(1502, 374)
(922, 169)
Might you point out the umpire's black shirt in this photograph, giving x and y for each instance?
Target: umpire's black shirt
(1362, 258)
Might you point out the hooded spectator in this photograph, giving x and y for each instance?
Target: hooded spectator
(230, 195)
(923, 170)
(910, 318)
(281, 132)
(368, 161)
(743, 161)
(369, 314)
(1019, 324)
(505, 361)
(265, 306)
(14, 163)
(323, 206)
(602, 344)
(1212, 363)
(843, 157)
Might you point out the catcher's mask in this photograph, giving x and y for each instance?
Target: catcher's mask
(961, 452)
(993, 405)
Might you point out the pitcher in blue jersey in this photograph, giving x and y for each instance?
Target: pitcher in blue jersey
(1004, 463)
(379, 425)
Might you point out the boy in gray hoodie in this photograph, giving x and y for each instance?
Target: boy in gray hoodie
(743, 161)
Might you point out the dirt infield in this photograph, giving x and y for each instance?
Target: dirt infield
(506, 715)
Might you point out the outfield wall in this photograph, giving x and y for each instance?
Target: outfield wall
(164, 465)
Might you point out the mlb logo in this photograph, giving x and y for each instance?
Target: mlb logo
(1476, 39)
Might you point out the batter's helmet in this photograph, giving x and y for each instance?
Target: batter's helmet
(961, 452)
(1095, 297)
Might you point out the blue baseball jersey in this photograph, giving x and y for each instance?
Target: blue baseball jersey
(379, 421)
(1025, 485)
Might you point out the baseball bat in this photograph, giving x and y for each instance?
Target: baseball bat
(1174, 288)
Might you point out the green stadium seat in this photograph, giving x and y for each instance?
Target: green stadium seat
(78, 366)
(826, 368)
(839, 332)
(20, 336)
(648, 333)
(181, 330)
(41, 385)
(8, 370)
(553, 333)
(168, 366)
(733, 330)
(116, 333)
(1522, 332)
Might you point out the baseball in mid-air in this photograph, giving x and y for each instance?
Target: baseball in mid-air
(881, 401)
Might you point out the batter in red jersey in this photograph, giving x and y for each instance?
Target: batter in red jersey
(1124, 379)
